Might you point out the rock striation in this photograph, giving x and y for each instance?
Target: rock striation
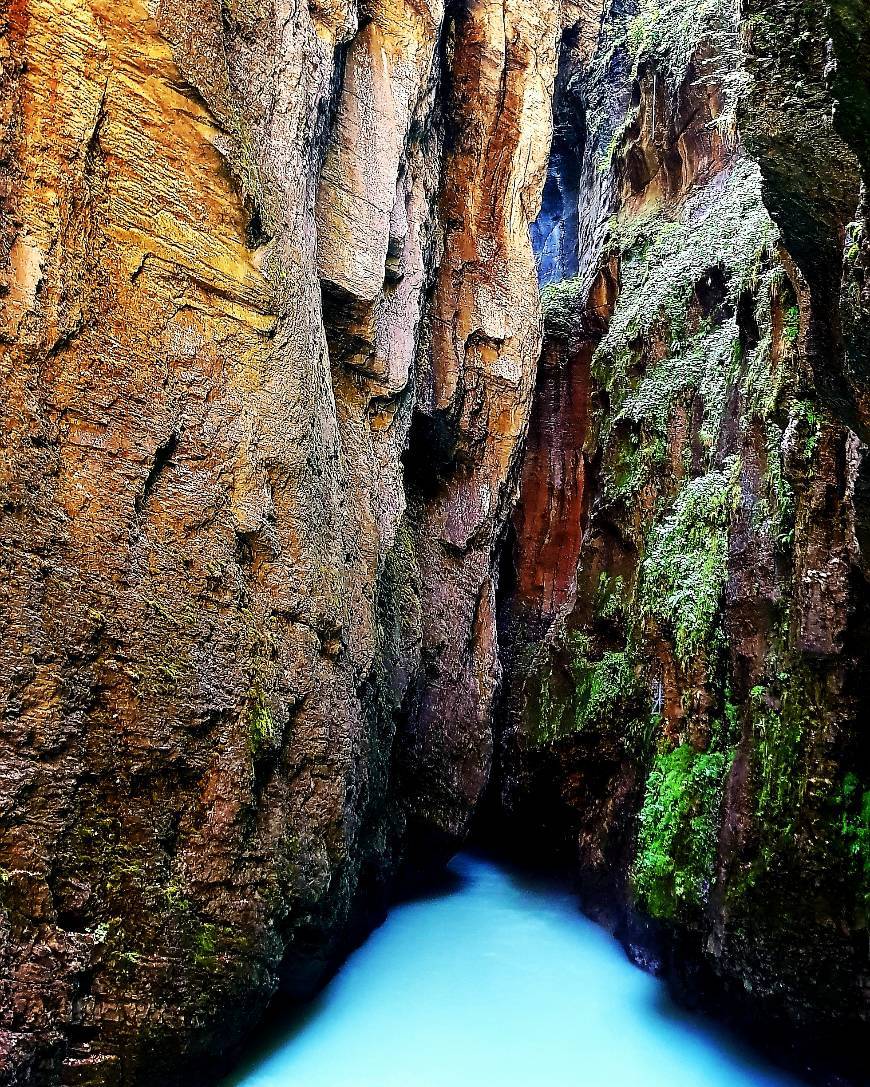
(684, 620)
(256, 259)
(412, 408)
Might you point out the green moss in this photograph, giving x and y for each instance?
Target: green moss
(633, 458)
(218, 948)
(668, 33)
(658, 351)
(205, 946)
(792, 326)
(854, 825)
(610, 597)
(811, 825)
(247, 165)
(263, 732)
(576, 688)
(100, 932)
(664, 258)
(601, 685)
(678, 830)
(685, 568)
(779, 731)
(810, 422)
(605, 161)
(116, 940)
(563, 305)
(780, 496)
(175, 898)
(123, 872)
(725, 727)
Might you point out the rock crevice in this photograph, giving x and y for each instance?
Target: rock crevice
(407, 403)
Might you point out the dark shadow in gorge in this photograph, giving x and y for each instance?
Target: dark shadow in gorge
(288, 1017)
(667, 1003)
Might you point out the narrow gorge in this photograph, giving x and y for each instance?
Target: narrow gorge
(429, 421)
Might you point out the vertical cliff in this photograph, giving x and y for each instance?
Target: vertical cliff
(248, 621)
(378, 370)
(685, 612)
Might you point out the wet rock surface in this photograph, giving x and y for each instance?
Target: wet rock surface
(225, 611)
(685, 657)
(321, 514)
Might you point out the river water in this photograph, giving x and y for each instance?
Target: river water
(497, 981)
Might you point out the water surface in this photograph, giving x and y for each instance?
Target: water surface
(499, 981)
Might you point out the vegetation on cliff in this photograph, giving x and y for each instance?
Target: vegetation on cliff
(705, 717)
(271, 359)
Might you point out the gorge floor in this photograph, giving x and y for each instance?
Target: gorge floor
(497, 978)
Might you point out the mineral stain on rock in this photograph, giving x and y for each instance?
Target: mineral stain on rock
(421, 418)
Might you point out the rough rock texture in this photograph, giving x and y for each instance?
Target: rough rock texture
(223, 225)
(274, 378)
(684, 614)
(473, 397)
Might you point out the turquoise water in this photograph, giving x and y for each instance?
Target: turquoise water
(498, 982)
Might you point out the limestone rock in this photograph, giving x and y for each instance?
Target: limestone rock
(413, 408)
(683, 624)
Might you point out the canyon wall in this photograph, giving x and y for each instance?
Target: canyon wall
(259, 261)
(685, 601)
(320, 516)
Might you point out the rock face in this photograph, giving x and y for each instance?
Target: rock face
(684, 627)
(300, 494)
(228, 616)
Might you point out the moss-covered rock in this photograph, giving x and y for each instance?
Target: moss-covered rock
(706, 676)
(678, 831)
